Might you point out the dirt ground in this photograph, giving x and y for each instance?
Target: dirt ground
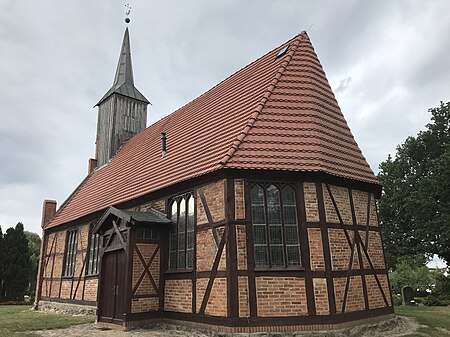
(396, 327)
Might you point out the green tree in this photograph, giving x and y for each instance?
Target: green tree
(16, 264)
(415, 204)
(34, 247)
(411, 271)
(1, 264)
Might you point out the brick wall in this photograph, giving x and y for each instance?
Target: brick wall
(373, 217)
(215, 198)
(342, 199)
(207, 250)
(376, 299)
(341, 251)
(145, 287)
(280, 296)
(241, 244)
(321, 296)
(71, 287)
(244, 310)
(178, 296)
(316, 249)
(217, 301)
(239, 201)
(66, 286)
(355, 297)
(144, 304)
(312, 211)
(360, 201)
(374, 250)
(159, 205)
(90, 289)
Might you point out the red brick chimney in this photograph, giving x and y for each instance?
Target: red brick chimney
(92, 164)
(48, 211)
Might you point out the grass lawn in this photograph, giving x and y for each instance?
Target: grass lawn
(16, 320)
(436, 318)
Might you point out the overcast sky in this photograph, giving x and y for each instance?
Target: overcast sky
(387, 61)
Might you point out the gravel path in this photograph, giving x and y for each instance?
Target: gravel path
(396, 327)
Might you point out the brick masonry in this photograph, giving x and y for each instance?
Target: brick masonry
(280, 296)
(376, 299)
(341, 250)
(90, 289)
(217, 302)
(215, 198)
(243, 296)
(144, 304)
(360, 201)
(373, 218)
(207, 250)
(239, 200)
(355, 297)
(159, 205)
(145, 286)
(321, 296)
(312, 211)
(275, 296)
(178, 296)
(316, 249)
(342, 199)
(374, 249)
(241, 243)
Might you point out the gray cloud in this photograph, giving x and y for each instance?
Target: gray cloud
(58, 58)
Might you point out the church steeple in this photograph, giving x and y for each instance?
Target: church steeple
(122, 111)
(123, 80)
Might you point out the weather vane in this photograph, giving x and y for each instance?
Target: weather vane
(127, 13)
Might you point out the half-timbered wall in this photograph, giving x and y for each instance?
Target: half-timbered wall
(77, 287)
(145, 285)
(342, 267)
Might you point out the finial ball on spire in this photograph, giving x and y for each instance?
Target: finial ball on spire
(127, 13)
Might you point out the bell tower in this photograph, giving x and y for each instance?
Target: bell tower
(122, 111)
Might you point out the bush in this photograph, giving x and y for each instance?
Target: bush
(433, 301)
(442, 285)
(397, 299)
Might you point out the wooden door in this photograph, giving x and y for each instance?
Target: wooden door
(112, 287)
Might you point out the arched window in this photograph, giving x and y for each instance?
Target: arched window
(275, 226)
(181, 244)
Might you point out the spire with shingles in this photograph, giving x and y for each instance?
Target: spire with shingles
(123, 80)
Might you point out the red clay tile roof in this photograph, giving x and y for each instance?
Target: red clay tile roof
(274, 114)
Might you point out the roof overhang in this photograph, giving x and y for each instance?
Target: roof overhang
(129, 218)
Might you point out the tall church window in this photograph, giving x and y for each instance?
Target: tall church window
(71, 252)
(94, 249)
(181, 239)
(275, 226)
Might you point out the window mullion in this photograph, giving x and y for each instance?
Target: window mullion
(177, 245)
(283, 233)
(266, 213)
(186, 216)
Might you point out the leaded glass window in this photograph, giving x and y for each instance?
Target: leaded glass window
(275, 226)
(71, 252)
(181, 238)
(94, 248)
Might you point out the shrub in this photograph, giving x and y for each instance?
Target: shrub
(433, 301)
(397, 299)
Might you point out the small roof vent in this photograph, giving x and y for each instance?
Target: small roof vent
(163, 144)
(282, 51)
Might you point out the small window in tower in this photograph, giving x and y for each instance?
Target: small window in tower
(282, 51)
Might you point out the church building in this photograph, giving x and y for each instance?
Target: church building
(249, 209)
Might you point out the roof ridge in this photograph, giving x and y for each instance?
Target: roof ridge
(254, 116)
